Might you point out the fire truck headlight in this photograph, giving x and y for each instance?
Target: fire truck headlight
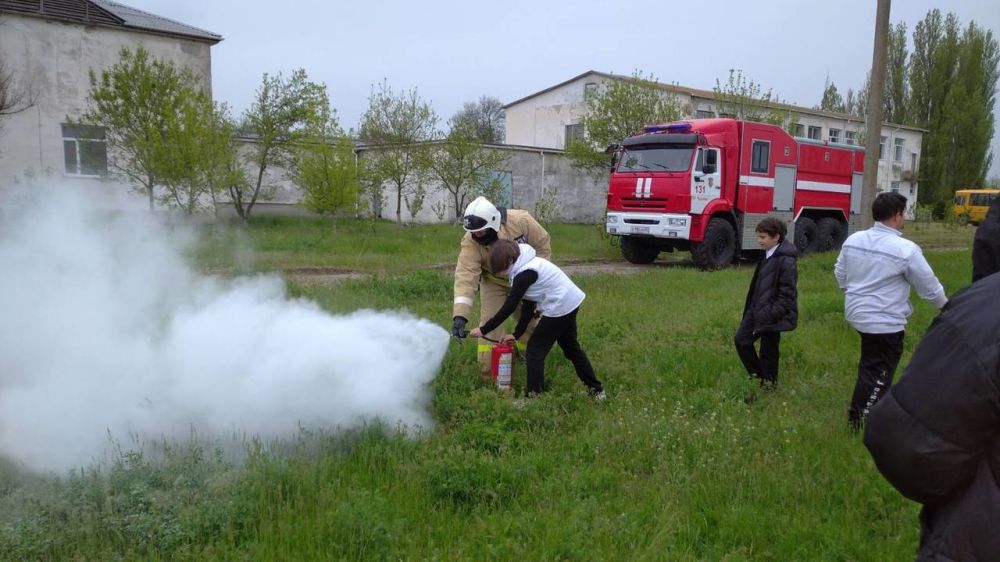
(612, 219)
(676, 222)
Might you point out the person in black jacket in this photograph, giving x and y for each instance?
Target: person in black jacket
(772, 303)
(986, 244)
(935, 436)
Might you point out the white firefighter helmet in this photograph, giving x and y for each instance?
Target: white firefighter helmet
(480, 215)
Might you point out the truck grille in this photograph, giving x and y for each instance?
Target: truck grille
(650, 204)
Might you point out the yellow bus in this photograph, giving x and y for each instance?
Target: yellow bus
(972, 204)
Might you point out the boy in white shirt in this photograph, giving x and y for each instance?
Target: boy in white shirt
(544, 286)
(875, 269)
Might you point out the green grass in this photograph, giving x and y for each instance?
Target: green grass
(686, 460)
(271, 243)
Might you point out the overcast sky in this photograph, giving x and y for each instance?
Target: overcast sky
(454, 51)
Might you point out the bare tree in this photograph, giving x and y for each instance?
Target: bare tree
(482, 121)
(15, 95)
(395, 127)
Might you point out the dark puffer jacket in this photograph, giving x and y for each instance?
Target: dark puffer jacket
(773, 298)
(935, 435)
(986, 244)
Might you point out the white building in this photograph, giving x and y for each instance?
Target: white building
(51, 47)
(547, 118)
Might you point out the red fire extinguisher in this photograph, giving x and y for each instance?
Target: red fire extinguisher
(502, 366)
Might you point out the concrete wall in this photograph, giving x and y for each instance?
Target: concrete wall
(55, 58)
(534, 173)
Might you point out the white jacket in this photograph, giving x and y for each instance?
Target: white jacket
(555, 294)
(876, 268)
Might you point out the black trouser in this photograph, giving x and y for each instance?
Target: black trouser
(562, 330)
(880, 355)
(765, 366)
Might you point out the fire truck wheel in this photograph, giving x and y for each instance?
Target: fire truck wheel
(830, 234)
(637, 251)
(719, 247)
(806, 236)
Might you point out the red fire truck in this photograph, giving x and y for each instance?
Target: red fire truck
(704, 184)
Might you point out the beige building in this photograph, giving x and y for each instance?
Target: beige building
(547, 118)
(50, 48)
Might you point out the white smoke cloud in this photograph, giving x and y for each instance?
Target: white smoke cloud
(104, 329)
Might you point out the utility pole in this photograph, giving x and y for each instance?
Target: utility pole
(873, 126)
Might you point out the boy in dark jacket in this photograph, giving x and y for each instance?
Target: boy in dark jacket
(771, 305)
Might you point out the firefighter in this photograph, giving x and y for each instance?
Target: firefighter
(484, 224)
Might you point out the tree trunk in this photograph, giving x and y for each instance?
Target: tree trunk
(149, 190)
(399, 204)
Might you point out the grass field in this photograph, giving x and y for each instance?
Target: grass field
(686, 460)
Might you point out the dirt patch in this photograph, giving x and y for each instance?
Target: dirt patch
(330, 275)
(321, 275)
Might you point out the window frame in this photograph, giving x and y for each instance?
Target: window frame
(570, 132)
(819, 132)
(755, 155)
(79, 136)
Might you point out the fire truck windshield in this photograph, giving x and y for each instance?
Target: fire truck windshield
(669, 158)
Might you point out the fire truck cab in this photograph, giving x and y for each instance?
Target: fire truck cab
(704, 184)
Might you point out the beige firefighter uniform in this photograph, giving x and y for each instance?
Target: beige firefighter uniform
(473, 273)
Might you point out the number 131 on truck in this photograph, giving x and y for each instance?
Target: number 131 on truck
(703, 185)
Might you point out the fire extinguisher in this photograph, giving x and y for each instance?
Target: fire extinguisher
(502, 366)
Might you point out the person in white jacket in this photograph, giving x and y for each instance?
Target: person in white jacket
(875, 269)
(544, 288)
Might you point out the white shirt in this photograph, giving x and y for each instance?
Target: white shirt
(554, 292)
(876, 268)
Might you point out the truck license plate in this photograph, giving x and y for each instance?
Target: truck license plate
(640, 229)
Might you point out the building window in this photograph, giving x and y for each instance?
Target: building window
(574, 131)
(759, 158)
(898, 153)
(894, 187)
(913, 161)
(834, 135)
(800, 130)
(881, 148)
(851, 137)
(912, 189)
(815, 133)
(589, 90)
(85, 150)
(703, 114)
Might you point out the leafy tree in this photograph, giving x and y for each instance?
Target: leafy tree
(178, 157)
(282, 116)
(853, 103)
(743, 98)
(953, 79)
(482, 121)
(199, 159)
(620, 108)
(136, 100)
(325, 170)
(832, 101)
(973, 101)
(462, 164)
(896, 95)
(394, 127)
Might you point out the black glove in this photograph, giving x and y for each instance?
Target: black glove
(458, 328)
